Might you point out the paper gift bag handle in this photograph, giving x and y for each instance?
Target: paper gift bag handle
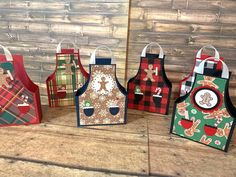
(59, 45)
(199, 53)
(161, 54)
(7, 53)
(225, 70)
(93, 56)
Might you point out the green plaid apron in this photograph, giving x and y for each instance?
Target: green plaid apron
(65, 81)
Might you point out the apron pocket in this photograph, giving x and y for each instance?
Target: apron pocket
(114, 110)
(157, 100)
(61, 94)
(210, 130)
(138, 97)
(88, 111)
(186, 124)
(23, 108)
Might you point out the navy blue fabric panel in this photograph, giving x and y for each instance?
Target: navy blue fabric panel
(103, 61)
(121, 88)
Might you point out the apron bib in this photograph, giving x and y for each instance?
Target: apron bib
(150, 89)
(102, 100)
(206, 114)
(210, 66)
(20, 99)
(66, 79)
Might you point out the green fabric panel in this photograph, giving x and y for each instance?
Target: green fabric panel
(9, 117)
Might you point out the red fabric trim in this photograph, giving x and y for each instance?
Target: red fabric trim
(207, 110)
(67, 51)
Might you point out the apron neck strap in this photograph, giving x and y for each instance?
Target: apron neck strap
(225, 70)
(7, 53)
(161, 54)
(59, 45)
(93, 55)
(217, 55)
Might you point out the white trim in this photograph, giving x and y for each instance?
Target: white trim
(161, 54)
(138, 93)
(7, 53)
(159, 96)
(225, 70)
(93, 55)
(114, 106)
(23, 104)
(88, 107)
(199, 53)
(59, 45)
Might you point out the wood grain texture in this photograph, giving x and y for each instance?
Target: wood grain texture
(142, 147)
(16, 168)
(34, 28)
(182, 27)
(81, 148)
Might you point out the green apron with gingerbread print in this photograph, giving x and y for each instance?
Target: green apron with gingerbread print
(206, 114)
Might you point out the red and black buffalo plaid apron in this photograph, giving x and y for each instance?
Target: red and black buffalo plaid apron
(150, 89)
(19, 96)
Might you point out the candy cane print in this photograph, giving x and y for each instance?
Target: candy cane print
(156, 71)
(186, 114)
(219, 120)
(158, 91)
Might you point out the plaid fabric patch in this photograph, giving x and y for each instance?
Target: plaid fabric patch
(187, 83)
(16, 104)
(65, 81)
(148, 90)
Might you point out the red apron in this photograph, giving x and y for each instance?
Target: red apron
(20, 98)
(150, 89)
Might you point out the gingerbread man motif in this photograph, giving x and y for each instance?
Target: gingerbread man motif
(192, 130)
(103, 84)
(205, 140)
(68, 66)
(206, 99)
(3, 79)
(208, 81)
(149, 72)
(182, 108)
(223, 132)
(219, 114)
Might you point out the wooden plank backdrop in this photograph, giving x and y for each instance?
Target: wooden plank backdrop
(142, 147)
(33, 28)
(182, 27)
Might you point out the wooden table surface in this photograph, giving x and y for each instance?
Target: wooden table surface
(142, 147)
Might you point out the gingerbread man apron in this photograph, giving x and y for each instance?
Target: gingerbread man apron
(19, 96)
(206, 114)
(150, 89)
(210, 66)
(68, 76)
(102, 100)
